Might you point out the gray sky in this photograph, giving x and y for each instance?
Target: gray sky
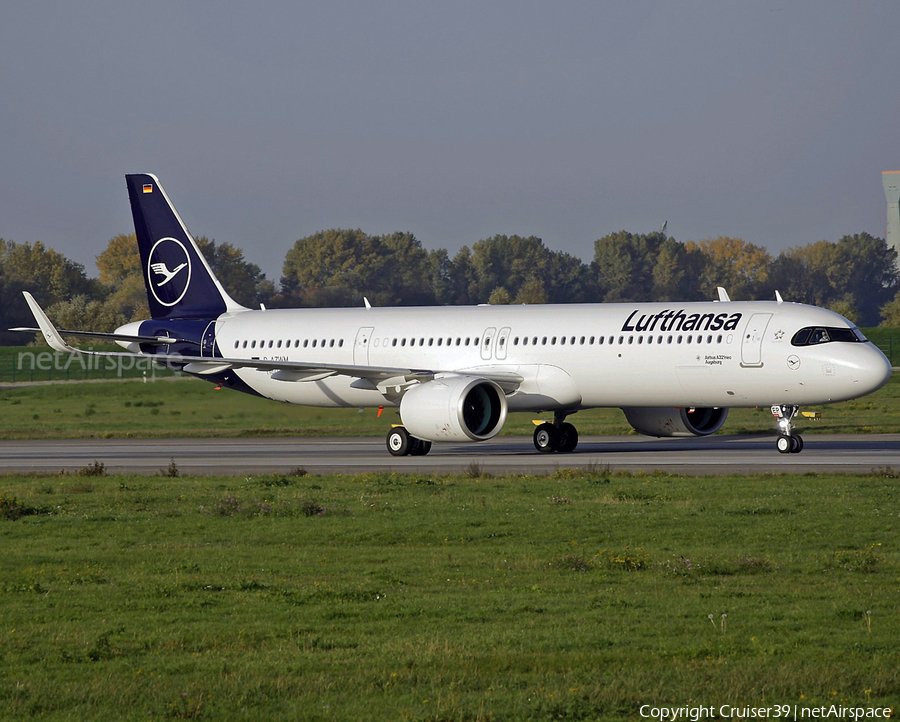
(268, 121)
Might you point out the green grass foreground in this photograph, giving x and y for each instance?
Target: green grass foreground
(386, 597)
(190, 407)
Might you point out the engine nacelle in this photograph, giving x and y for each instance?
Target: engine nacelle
(455, 408)
(692, 421)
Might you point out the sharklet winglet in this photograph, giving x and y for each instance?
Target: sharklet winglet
(52, 336)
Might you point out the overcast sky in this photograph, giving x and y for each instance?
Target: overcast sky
(268, 121)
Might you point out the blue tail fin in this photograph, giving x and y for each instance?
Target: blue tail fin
(179, 282)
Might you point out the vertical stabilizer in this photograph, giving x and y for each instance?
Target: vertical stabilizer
(180, 283)
(891, 181)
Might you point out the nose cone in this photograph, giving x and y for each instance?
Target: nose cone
(874, 371)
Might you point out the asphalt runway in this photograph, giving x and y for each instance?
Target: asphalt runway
(503, 455)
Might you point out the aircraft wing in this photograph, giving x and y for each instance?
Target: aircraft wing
(282, 370)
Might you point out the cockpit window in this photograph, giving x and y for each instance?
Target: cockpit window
(813, 336)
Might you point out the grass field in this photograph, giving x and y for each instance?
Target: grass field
(189, 407)
(382, 597)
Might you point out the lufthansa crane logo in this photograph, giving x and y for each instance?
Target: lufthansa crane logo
(168, 271)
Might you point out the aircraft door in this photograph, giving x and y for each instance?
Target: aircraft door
(487, 342)
(751, 344)
(361, 346)
(502, 341)
(208, 342)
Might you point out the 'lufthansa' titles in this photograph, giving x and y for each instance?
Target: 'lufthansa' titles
(667, 320)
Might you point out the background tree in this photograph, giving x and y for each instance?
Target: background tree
(623, 265)
(499, 297)
(856, 277)
(514, 261)
(742, 268)
(81, 313)
(890, 312)
(46, 273)
(532, 291)
(677, 272)
(244, 281)
(408, 273)
(340, 266)
(120, 273)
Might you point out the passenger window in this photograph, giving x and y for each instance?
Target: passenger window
(600, 340)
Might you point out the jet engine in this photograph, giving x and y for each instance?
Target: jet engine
(689, 421)
(455, 408)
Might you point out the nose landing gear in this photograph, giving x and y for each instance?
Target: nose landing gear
(787, 441)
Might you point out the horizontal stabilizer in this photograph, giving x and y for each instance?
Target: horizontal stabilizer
(152, 340)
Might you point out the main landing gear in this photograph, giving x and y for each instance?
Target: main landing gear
(787, 441)
(559, 436)
(400, 443)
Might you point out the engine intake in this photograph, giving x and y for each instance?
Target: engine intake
(694, 421)
(455, 408)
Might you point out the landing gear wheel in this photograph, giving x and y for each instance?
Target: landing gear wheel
(546, 438)
(568, 438)
(419, 447)
(784, 444)
(399, 442)
(796, 444)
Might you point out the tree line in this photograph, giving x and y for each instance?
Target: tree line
(856, 276)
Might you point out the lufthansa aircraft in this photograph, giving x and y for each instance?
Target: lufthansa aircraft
(455, 372)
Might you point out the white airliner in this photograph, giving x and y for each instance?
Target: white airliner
(455, 372)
